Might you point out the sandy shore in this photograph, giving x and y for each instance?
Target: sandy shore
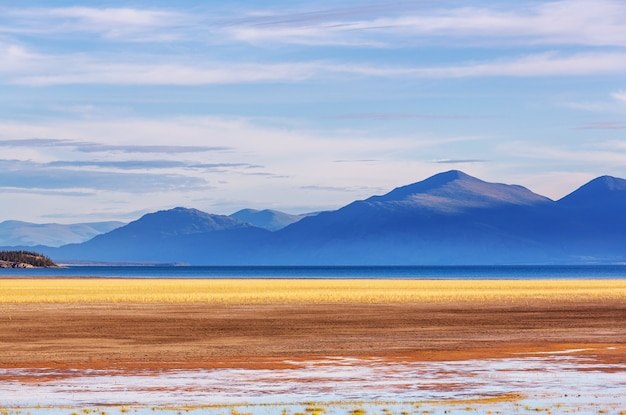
(129, 336)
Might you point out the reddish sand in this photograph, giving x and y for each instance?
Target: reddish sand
(203, 336)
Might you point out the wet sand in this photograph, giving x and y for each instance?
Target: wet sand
(166, 336)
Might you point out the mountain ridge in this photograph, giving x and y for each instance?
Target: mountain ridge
(167, 222)
(455, 188)
(597, 190)
(20, 233)
(450, 218)
(269, 219)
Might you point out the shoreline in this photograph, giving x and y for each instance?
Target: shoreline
(444, 356)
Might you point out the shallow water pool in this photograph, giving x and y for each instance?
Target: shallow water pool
(555, 382)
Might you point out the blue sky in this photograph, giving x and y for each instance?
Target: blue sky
(111, 109)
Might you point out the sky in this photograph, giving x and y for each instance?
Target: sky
(112, 109)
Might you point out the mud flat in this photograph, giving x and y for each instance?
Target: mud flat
(390, 347)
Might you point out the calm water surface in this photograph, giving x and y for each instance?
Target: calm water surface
(551, 383)
(329, 272)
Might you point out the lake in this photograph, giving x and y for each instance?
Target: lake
(334, 272)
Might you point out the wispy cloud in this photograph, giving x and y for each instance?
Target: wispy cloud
(350, 189)
(357, 161)
(30, 175)
(39, 142)
(121, 165)
(603, 125)
(599, 29)
(391, 116)
(68, 70)
(536, 65)
(125, 24)
(459, 161)
(264, 161)
(45, 70)
(152, 165)
(314, 16)
(99, 148)
(620, 96)
(591, 106)
(607, 155)
(613, 145)
(90, 147)
(615, 105)
(45, 192)
(568, 22)
(388, 24)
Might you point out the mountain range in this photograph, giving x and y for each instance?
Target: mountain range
(18, 233)
(269, 219)
(26, 234)
(450, 218)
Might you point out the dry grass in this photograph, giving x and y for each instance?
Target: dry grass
(257, 291)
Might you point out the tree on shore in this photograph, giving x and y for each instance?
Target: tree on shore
(27, 257)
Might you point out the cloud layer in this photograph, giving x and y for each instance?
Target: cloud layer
(544, 24)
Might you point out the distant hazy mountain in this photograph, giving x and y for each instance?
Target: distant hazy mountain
(176, 235)
(177, 221)
(17, 233)
(450, 218)
(269, 219)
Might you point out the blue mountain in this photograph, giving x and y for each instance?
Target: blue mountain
(450, 218)
(176, 222)
(591, 222)
(178, 235)
(269, 219)
(18, 233)
(454, 191)
(606, 194)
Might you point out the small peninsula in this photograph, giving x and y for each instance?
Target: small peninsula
(25, 259)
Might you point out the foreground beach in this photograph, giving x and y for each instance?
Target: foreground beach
(99, 323)
(199, 326)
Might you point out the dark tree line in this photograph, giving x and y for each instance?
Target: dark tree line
(27, 257)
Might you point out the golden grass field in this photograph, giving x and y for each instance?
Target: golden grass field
(293, 291)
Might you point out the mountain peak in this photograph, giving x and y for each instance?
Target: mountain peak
(453, 190)
(180, 220)
(425, 186)
(597, 192)
(269, 219)
(609, 183)
(451, 175)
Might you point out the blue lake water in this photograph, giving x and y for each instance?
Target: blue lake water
(522, 272)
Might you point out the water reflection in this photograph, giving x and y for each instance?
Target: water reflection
(558, 382)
